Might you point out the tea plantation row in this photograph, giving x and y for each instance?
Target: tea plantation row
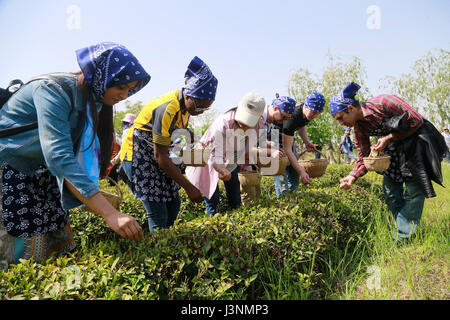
(241, 254)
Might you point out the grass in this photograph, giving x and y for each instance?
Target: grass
(418, 270)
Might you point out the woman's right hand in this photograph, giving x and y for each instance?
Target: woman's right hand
(126, 226)
(194, 194)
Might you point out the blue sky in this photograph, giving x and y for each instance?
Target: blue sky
(249, 45)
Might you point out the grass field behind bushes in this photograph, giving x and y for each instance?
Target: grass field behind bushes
(312, 244)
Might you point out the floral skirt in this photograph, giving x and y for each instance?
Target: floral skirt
(150, 182)
(33, 223)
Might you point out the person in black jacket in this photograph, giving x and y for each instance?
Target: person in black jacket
(415, 146)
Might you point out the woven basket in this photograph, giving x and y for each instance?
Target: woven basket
(314, 167)
(114, 199)
(377, 162)
(249, 178)
(195, 157)
(282, 164)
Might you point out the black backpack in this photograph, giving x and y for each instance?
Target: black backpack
(13, 87)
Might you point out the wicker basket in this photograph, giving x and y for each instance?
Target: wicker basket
(249, 178)
(377, 162)
(195, 157)
(314, 167)
(282, 164)
(114, 199)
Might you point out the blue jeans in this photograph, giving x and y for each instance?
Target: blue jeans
(159, 214)
(126, 166)
(286, 182)
(406, 204)
(233, 190)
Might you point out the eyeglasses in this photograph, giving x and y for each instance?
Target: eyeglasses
(199, 108)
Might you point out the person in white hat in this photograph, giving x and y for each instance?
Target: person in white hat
(227, 157)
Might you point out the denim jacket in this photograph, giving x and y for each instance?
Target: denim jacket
(52, 143)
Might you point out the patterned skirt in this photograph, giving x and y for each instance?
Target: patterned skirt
(33, 223)
(150, 182)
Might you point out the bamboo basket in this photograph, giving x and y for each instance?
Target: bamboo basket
(249, 178)
(314, 167)
(114, 199)
(377, 162)
(282, 164)
(195, 157)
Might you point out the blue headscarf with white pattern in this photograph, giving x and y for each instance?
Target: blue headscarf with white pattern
(341, 101)
(109, 64)
(315, 101)
(285, 103)
(200, 83)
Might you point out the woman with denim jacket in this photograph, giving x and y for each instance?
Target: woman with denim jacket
(56, 167)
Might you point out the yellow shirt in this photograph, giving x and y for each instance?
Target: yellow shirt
(161, 116)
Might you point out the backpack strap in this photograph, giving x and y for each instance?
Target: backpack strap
(14, 130)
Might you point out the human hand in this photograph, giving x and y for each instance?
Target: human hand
(224, 174)
(194, 194)
(276, 153)
(346, 182)
(126, 226)
(305, 177)
(382, 143)
(311, 147)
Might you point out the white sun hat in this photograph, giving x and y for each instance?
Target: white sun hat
(250, 109)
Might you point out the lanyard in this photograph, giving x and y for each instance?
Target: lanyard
(181, 115)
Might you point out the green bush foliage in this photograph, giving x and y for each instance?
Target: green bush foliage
(238, 254)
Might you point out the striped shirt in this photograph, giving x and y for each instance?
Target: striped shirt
(377, 110)
(161, 116)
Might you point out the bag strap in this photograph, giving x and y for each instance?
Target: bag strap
(15, 130)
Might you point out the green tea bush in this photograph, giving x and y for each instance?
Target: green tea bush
(238, 254)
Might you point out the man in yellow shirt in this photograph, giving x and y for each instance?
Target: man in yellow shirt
(154, 178)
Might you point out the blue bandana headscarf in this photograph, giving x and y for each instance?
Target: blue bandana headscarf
(341, 101)
(315, 101)
(201, 83)
(286, 104)
(109, 64)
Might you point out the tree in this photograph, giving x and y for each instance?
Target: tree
(426, 87)
(325, 130)
(129, 108)
(199, 124)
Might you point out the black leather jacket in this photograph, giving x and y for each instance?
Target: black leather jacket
(422, 154)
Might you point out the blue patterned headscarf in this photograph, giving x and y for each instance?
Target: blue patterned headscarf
(341, 101)
(200, 83)
(286, 104)
(315, 101)
(109, 64)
